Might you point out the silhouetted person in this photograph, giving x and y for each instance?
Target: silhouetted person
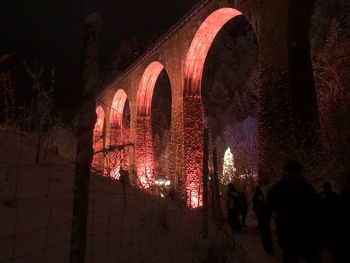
(232, 205)
(243, 207)
(294, 202)
(331, 217)
(258, 201)
(172, 193)
(343, 229)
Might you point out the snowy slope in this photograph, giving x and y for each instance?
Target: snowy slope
(36, 209)
(36, 212)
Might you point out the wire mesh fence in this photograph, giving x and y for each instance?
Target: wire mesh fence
(124, 223)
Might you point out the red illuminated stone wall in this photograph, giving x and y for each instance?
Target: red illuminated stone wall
(144, 139)
(98, 161)
(183, 54)
(144, 153)
(115, 157)
(193, 137)
(193, 120)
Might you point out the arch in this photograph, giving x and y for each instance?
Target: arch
(147, 84)
(116, 137)
(193, 115)
(116, 116)
(98, 139)
(200, 46)
(144, 140)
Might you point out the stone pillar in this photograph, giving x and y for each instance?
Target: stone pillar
(274, 96)
(193, 150)
(301, 79)
(144, 152)
(287, 109)
(176, 158)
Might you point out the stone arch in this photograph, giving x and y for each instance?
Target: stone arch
(193, 113)
(144, 140)
(116, 135)
(98, 139)
(116, 117)
(200, 46)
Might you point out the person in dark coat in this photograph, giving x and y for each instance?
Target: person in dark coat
(331, 217)
(258, 201)
(243, 207)
(295, 204)
(232, 205)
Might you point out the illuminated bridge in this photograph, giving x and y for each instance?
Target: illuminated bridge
(285, 94)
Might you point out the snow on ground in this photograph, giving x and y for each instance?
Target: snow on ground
(248, 245)
(36, 209)
(36, 212)
(247, 248)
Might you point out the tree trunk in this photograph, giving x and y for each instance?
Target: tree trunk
(205, 183)
(84, 155)
(216, 196)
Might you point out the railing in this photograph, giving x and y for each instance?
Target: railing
(188, 15)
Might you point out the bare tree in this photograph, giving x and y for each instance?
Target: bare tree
(5, 57)
(9, 98)
(41, 105)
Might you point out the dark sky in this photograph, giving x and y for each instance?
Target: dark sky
(51, 32)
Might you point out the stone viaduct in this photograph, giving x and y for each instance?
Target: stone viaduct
(286, 91)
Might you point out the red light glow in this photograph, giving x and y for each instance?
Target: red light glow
(145, 92)
(116, 133)
(193, 119)
(200, 46)
(115, 173)
(97, 161)
(144, 145)
(117, 108)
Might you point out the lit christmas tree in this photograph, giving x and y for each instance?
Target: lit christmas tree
(229, 168)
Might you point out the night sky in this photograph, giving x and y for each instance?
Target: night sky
(51, 32)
